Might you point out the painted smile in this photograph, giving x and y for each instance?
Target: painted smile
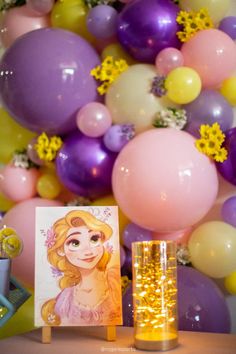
(88, 259)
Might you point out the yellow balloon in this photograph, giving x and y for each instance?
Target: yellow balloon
(217, 8)
(212, 248)
(183, 85)
(48, 186)
(129, 99)
(228, 90)
(109, 200)
(230, 283)
(117, 52)
(12, 136)
(22, 321)
(5, 204)
(71, 15)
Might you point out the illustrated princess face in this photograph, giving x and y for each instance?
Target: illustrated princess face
(83, 247)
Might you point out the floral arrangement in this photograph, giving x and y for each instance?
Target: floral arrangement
(170, 118)
(47, 147)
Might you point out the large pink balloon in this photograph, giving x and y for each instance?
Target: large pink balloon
(212, 53)
(162, 182)
(20, 20)
(22, 218)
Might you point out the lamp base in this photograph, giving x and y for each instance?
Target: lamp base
(161, 345)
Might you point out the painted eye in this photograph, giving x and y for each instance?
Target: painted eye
(74, 243)
(95, 238)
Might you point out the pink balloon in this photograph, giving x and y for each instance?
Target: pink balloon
(22, 218)
(94, 119)
(162, 182)
(212, 53)
(20, 20)
(181, 236)
(168, 59)
(41, 7)
(17, 183)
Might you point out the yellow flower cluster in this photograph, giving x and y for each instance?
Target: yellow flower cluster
(193, 22)
(211, 142)
(47, 147)
(108, 72)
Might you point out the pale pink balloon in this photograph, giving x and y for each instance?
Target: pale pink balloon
(181, 236)
(41, 7)
(19, 20)
(94, 119)
(22, 218)
(212, 53)
(168, 59)
(17, 183)
(162, 182)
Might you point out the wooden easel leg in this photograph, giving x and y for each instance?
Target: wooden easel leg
(111, 333)
(46, 334)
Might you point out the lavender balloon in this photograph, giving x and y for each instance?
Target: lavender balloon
(228, 168)
(45, 79)
(228, 25)
(228, 211)
(201, 304)
(147, 27)
(102, 21)
(127, 266)
(117, 136)
(135, 233)
(209, 107)
(84, 166)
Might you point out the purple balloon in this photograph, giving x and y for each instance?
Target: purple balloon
(45, 79)
(117, 136)
(228, 211)
(201, 304)
(209, 107)
(228, 168)
(135, 233)
(127, 307)
(228, 25)
(147, 27)
(122, 256)
(102, 21)
(127, 266)
(84, 166)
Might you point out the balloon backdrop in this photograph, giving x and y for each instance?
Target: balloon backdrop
(228, 211)
(129, 99)
(49, 105)
(127, 307)
(168, 59)
(212, 53)
(84, 166)
(228, 168)
(145, 28)
(41, 7)
(102, 21)
(163, 196)
(20, 20)
(228, 25)
(22, 218)
(201, 304)
(135, 233)
(212, 247)
(209, 107)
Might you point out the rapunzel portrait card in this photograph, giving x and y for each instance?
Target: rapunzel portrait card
(77, 266)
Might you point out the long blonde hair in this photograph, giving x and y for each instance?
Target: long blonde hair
(71, 274)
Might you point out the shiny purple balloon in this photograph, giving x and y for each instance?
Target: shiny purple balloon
(209, 107)
(201, 304)
(84, 166)
(228, 25)
(122, 256)
(127, 307)
(228, 211)
(127, 266)
(102, 21)
(45, 79)
(147, 27)
(135, 233)
(228, 168)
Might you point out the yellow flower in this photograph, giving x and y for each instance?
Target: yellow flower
(56, 142)
(47, 148)
(182, 17)
(108, 61)
(212, 146)
(221, 155)
(201, 145)
(102, 89)
(204, 131)
(121, 65)
(96, 72)
(217, 133)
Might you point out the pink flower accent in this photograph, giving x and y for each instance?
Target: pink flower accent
(51, 238)
(109, 248)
